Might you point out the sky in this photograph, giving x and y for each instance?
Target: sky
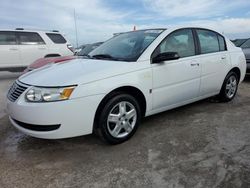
(97, 20)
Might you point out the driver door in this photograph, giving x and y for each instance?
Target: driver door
(176, 81)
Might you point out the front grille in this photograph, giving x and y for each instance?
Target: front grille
(15, 91)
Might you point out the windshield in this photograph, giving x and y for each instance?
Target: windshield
(126, 46)
(246, 44)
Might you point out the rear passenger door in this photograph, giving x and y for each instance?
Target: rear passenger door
(32, 47)
(9, 50)
(214, 60)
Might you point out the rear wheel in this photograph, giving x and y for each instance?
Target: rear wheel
(119, 119)
(229, 87)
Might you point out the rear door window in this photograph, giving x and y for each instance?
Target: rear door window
(208, 41)
(7, 38)
(56, 38)
(29, 38)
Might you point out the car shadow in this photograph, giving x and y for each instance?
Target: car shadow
(247, 78)
(32, 143)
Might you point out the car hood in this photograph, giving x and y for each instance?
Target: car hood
(78, 71)
(246, 52)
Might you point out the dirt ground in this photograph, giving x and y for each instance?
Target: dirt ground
(205, 144)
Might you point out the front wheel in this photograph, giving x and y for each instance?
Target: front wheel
(119, 119)
(229, 87)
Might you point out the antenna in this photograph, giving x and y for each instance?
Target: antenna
(75, 28)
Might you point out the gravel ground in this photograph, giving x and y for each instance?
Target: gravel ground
(205, 144)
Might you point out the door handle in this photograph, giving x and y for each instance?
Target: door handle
(195, 64)
(223, 57)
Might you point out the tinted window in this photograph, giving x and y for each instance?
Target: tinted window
(56, 38)
(180, 41)
(246, 44)
(208, 41)
(7, 38)
(29, 38)
(127, 46)
(222, 43)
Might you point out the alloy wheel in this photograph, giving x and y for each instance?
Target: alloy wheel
(231, 86)
(122, 119)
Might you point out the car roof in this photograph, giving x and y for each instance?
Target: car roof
(31, 30)
(140, 30)
(175, 28)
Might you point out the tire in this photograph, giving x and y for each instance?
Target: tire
(119, 119)
(229, 87)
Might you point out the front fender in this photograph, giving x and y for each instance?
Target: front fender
(141, 80)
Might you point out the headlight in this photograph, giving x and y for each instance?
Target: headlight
(37, 94)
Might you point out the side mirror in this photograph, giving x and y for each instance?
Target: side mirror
(166, 56)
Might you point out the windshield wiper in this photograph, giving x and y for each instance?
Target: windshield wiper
(87, 56)
(105, 56)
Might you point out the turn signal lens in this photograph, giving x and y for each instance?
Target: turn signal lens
(67, 92)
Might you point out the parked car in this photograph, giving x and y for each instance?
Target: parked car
(20, 47)
(238, 42)
(132, 75)
(88, 48)
(246, 49)
(79, 48)
(44, 61)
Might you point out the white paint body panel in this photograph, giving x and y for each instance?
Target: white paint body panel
(30, 53)
(214, 67)
(10, 55)
(173, 83)
(74, 116)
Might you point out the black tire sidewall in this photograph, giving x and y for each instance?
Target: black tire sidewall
(105, 112)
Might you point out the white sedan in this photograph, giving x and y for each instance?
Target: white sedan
(132, 75)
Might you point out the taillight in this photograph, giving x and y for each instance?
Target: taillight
(70, 47)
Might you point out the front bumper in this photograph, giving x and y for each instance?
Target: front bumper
(70, 118)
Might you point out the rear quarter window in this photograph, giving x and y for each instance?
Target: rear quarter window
(222, 43)
(56, 38)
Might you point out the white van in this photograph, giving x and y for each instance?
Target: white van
(19, 48)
